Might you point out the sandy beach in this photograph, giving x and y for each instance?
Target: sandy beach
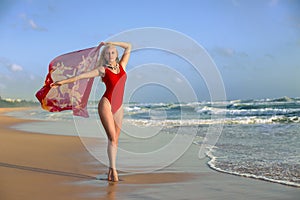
(42, 166)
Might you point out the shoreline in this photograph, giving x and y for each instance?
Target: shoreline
(34, 164)
(246, 175)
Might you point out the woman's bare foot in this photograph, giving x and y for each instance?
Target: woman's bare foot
(114, 175)
(109, 174)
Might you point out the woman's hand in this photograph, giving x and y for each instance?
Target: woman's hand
(56, 84)
(102, 44)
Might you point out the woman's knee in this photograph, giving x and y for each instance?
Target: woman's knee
(113, 141)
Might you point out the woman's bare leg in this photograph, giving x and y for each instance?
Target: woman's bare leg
(112, 155)
(118, 118)
(112, 129)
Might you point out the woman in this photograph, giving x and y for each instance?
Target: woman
(112, 71)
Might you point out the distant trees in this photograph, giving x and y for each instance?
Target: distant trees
(7, 103)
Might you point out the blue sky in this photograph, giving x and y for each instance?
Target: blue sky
(255, 44)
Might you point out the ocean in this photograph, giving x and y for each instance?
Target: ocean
(256, 138)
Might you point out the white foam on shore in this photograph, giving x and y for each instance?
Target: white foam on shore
(212, 165)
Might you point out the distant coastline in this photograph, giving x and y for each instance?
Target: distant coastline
(10, 103)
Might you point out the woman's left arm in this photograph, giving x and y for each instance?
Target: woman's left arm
(127, 48)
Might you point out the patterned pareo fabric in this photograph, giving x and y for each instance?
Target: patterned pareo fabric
(73, 96)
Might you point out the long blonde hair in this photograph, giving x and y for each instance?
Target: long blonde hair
(102, 61)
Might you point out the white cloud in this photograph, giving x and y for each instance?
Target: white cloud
(16, 67)
(223, 51)
(13, 67)
(31, 24)
(228, 52)
(20, 85)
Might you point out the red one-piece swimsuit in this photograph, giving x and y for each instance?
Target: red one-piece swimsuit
(115, 84)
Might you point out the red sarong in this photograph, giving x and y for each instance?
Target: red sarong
(73, 96)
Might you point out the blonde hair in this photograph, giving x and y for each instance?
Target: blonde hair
(102, 61)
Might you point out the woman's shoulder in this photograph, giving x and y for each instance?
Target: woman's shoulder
(101, 70)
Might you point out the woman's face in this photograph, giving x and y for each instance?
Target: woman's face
(111, 55)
